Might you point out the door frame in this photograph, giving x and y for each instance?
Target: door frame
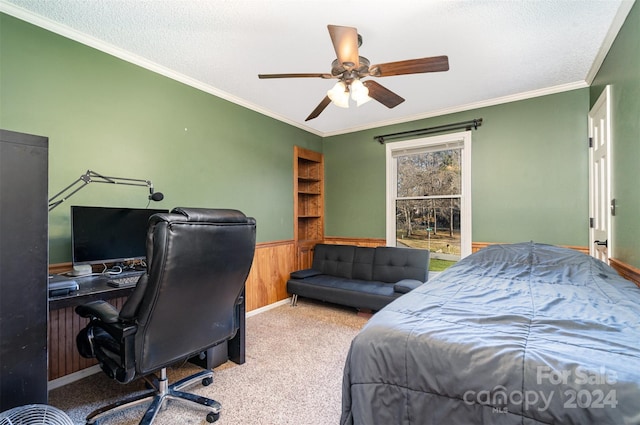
(605, 201)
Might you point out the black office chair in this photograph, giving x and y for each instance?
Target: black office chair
(187, 302)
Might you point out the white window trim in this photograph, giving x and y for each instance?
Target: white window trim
(391, 191)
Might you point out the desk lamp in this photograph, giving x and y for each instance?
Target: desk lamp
(93, 177)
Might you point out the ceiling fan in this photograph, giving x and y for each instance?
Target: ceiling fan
(350, 68)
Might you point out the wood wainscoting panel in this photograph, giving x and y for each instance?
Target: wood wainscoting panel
(267, 281)
(64, 325)
(60, 268)
(625, 270)
(266, 284)
(339, 240)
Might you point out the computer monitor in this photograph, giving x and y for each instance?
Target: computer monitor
(109, 235)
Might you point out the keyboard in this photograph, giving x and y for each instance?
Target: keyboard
(124, 281)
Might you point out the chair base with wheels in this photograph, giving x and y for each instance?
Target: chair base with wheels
(160, 394)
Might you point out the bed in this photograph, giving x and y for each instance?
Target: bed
(514, 334)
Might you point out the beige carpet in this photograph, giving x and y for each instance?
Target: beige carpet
(293, 375)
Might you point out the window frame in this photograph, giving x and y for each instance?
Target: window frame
(446, 141)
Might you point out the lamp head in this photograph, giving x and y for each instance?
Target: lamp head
(339, 95)
(157, 196)
(154, 196)
(359, 92)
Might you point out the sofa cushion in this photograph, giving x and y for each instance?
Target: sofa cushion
(392, 264)
(356, 285)
(334, 260)
(360, 294)
(363, 263)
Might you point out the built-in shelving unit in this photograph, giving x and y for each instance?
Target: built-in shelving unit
(308, 209)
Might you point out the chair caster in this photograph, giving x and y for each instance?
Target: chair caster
(207, 381)
(212, 417)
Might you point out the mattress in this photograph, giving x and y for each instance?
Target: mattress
(513, 334)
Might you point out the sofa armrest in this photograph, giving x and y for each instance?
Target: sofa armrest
(301, 274)
(405, 285)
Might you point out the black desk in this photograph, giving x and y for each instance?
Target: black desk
(95, 287)
(92, 288)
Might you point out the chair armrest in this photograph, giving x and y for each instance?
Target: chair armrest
(106, 317)
(406, 285)
(100, 309)
(301, 274)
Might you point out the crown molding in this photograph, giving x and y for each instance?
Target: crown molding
(616, 25)
(119, 53)
(102, 46)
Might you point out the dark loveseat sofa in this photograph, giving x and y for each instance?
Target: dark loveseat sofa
(361, 277)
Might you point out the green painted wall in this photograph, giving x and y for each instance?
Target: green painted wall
(529, 173)
(621, 69)
(529, 158)
(118, 119)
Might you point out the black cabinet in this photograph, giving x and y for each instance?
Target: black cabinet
(23, 269)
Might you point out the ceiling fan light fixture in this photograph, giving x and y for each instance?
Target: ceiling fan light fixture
(339, 95)
(349, 67)
(359, 93)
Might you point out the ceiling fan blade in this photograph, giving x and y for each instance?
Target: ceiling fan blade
(382, 94)
(264, 76)
(412, 66)
(325, 102)
(345, 43)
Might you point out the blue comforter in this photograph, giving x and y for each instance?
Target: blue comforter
(513, 334)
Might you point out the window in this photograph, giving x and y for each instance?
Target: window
(429, 194)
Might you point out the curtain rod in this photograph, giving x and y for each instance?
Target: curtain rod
(467, 125)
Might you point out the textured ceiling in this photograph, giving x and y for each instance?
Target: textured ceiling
(498, 50)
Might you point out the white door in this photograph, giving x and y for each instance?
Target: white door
(600, 206)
